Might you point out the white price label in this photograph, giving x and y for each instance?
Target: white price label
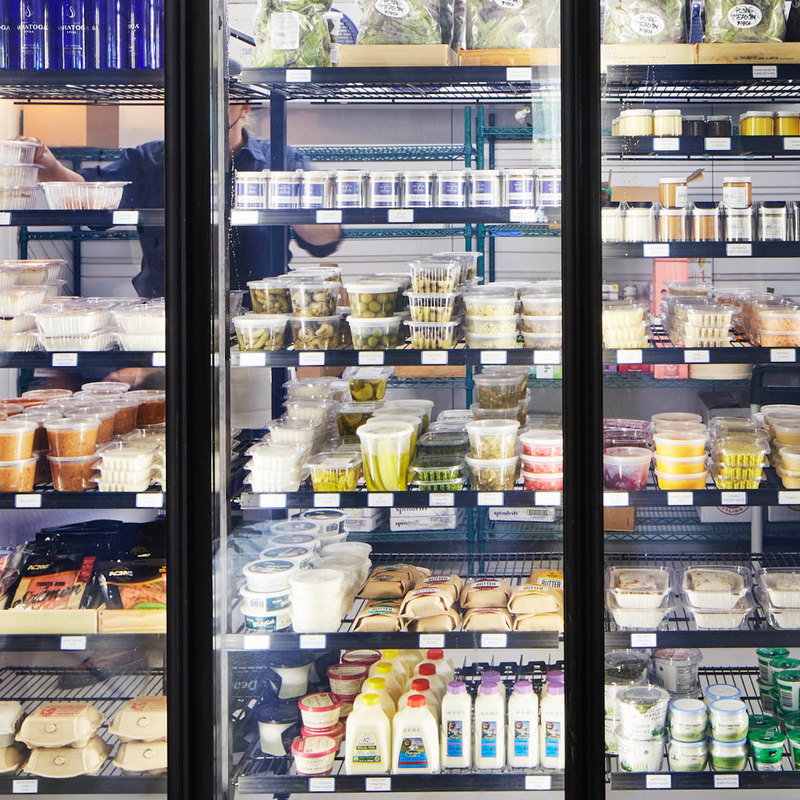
(327, 500)
(490, 499)
(733, 498)
(322, 784)
(547, 499)
(696, 356)
(378, 784)
(657, 250)
(615, 499)
(298, 76)
(494, 357)
(272, 501)
(380, 500)
(312, 641)
(658, 782)
(125, 217)
(643, 640)
(545, 373)
(73, 642)
(159, 360)
(523, 215)
(65, 360)
(431, 641)
(782, 356)
(680, 498)
(433, 357)
(371, 358)
(739, 249)
(328, 216)
(765, 72)
(538, 783)
(629, 356)
(28, 501)
(441, 499)
(256, 641)
(791, 142)
(252, 359)
(670, 144)
(311, 359)
(400, 215)
(25, 787)
(717, 143)
(5, 218)
(546, 356)
(150, 500)
(726, 781)
(498, 641)
(789, 498)
(243, 216)
(515, 74)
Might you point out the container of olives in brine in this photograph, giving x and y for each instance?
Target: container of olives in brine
(260, 331)
(313, 297)
(370, 298)
(375, 334)
(320, 333)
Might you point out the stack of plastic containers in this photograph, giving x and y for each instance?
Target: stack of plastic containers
(700, 324)
(542, 459)
(372, 320)
(738, 453)
(686, 292)
(19, 176)
(782, 425)
(541, 315)
(625, 325)
(502, 394)
(639, 597)
(141, 327)
(277, 466)
(622, 669)
(126, 466)
(435, 323)
(774, 321)
(778, 592)
(717, 597)
(626, 433)
(491, 318)
(17, 461)
(642, 722)
(493, 461)
(680, 440)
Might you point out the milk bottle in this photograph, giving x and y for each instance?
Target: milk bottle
(415, 739)
(552, 732)
(490, 728)
(456, 715)
(368, 738)
(523, 726)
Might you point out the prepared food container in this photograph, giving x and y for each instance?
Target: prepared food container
(740, 451)
(542, 465)
(451, 485)
(543, 482)
(684, 427)
(412, 405)
(626, 468)
(21, 299)
(125, 457)
(728, 482)
(372, 298)
(386, 451)
(442, 443)
(541, 324)
(14, 151)
(309, 388)
(375, 334)
(270, 296)
(320, 410)
(781, 585)
(434, 335)
(779, 338)
(84, 196)
(623, 314)
(314, 755)
(132, 342)
(779, 617)
(351, 416)
(22, 342)
(318, 333)
(274, 481)
(778, 319)
(542, 443)
(787, 432)
(492, 439)
(74, 474)
(520, 413)
(713, 618)
(683, 482)
(294, 431)
(435, 276)
(34, 271)
(680, 445)
(313, 298)
(19, 175)
(491, 341)
(141, 319)
(70, 321)
(72, 437)
(541, 304)
(492, 325)
(438, 468)
(693, 465)
(415, 420)
(645, 617)
(426, 307)
(542, 341)
(368, 383)
(18, 198)
(716, 586)
(483, 304)
(17, 324)
(498, 391)
(18, 476)
(639, 587)
(492, 475)
(335, 472)
(89, 342)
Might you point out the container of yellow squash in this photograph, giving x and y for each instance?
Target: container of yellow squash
(335, 471)
(386, 449)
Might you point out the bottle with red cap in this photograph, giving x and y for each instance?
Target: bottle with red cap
(415, 739)
(444, 669)
(428, 671)
(423, 687)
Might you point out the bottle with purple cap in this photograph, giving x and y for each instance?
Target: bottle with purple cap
(490, 726)
(523, 726)
(456, 727)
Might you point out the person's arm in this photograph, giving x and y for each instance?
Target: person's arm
(52, 168)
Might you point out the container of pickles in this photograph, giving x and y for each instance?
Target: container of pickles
(312, 297)
(740, 451)
(493, 438)
(435, 276)
(498, 391)
(371, 298)
(367, 383)
(438, 468)
(386, 450)
(412, 405)
(426, 307)
(434, 335)
(351, 416)
(335, 471)
(747, 477)
(443, 443)
(492, 475)
(270, 296)
(382, 415)
(257, 332)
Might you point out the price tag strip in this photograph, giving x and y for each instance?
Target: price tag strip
(429, 641)
(73, 642)
(658, 781)
(378, 785)
(312, 641)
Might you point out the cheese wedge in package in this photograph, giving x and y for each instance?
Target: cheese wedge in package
(436, 595)
(438, 623)
(60, 724)
(485, 593)
(542, 594)
(149, 757)
(487, 619)
(68, 762)
(392, 582)
(142, 719)
(379, 616)
(11, 758)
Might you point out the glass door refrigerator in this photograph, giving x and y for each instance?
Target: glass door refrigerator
(700, 281)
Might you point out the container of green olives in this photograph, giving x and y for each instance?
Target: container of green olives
(320, 333)
(270, 296)
(371, 298)
(375, 334)
(260, 331)
(313, 297)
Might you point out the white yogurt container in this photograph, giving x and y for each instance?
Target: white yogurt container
(299, 556)
(640, 755)
(314, 189)
(676, 669)
(303, 526)
(519, 187)
(318, 600)
(720, 691)
(328, 522)
(383, 190)
(314, 755)
(688, 720)
(254, 603)
(293, 670)
(642, 712)
(687, 756)
(728, 720)
(269, 575)
(484, 187)
(251, 189)
(418, 188)
(284, 190)
(452, 188)
(320, 710)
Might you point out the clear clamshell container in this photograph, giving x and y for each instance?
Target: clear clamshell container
(85, 196)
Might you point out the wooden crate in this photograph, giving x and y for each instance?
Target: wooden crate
(646, 54)
(62, 622)
(536, 57)
(145, 620)
(443, 371)
(766, 53)
(397, 55)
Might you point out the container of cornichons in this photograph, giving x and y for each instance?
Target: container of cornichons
(315, 189)
(548, 187)
(251, 189)
(484, 187)
(519, 187)
(383, 189)
(418, 188)
(348, 188)
(284, 190)
(452, 188)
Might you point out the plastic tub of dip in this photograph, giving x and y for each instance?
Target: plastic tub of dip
(626, 468)
(299, 556)
(73, 437)
(314, 755)
(688, 719)
(73, 474)
(680, 445)
(330, 522)
(17, 476)
(542, 443)
(16, 439)
(687, 756)
(767, 747)
(667, 465)
(676, 669)
(268, 576)
(320, 710)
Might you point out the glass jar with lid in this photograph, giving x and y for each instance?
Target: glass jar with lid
(719, 125)
(706, 222)
(636, 122)
(738, 224)
(693, 126)
(673, 192)
(787, 123)
(615, 126)
(673, 225)
(640, 223)
(667, 122)
(737, 192)
(613, 227)
(757, 123)
(773, 222)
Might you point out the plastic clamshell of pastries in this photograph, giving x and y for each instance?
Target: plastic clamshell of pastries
(142, 719)
(150, 757)
(60, 724)
(68, 762)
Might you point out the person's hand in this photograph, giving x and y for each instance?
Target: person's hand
(133, 376)
(52, 168)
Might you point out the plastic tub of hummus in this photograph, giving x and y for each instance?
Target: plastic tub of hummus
(331, 523)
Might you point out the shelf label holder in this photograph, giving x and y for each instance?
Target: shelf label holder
(327, 500)
(312, 641)
(658, 250)
(433, 357)
(667, 144)
(328, 216)
(150, 500)
(717, 143)
(441, 499)
(256, 642)
(5, 218)
(733, 498)
(538, 783)
(73, 643)
(494, 641)
(726, 781)
(791, 142)
(311, 359)
(551, 499)
(25, 786)
(696, 356)
(298, 76)
(322, 784)
(380, 500)
(546, 356)
(788, 498)
(27, 501)
(491, 499)
(272, 501)
(644, 639)
(373, 358)
(658, 782)
(680, 498)
(125, 217)
(378, 785)
(159, 359)
(65, 360)
(400, 215)
(434, 641)
(252, 359)
(778, 355)
(494, 357)
(765, 72)
(629, 357)
(244, 216)
(616, 499)
(519, 74)
(739, 249)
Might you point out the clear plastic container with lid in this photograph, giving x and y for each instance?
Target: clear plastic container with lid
(386, 449)
(492, 475)
(497, 304)
(444, 443)
(506, 326)
(626, 468)
(688, 720)
(34, 271)
(260, 332)
(613, 223)
(73, 436)
(317, 333)
(673, 225)
(371, 298)
(490, 341)
(667, 122)
(313, 297)
(673, 192)
(728, 720)
(426, 307)
(498, 391)
(21, 299)
(676, 669)
(435, 276)
(90, 342)
(636, 122)
(270, 296)
(86, 196)
(541, 302)
(492, 439)
(375, 334)
(335, 472)
(773, 222)
(640, 223)
(787, 123)
(706, 222)
(434, 335)
(720, 125)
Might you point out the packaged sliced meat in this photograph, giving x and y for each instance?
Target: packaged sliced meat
(60, 724)
(68, 762)
(139, 584)
(10, 717)
(11, 758)
(143, 719)
(149, 757)
(54, 582)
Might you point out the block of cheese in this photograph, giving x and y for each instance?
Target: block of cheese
(142, 719)
(68, 762)
(149, 757)
(60, 724)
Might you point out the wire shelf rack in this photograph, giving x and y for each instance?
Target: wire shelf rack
(94, 87)
(409, 152)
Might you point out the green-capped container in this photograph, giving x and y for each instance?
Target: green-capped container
(787, 682)
(763, 722)
(767, 654)
(765, 690)
(767, 747)
(793, 736)
(780, 664)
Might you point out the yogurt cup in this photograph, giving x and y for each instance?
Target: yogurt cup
(263, 602)
(687, 756)
(320, 710)
(728, 756)
(791, 721)
(363, 657)
(688, 720)
(779, 665)
(767, 748)
(793, 735)
(728, 720)
(299, 556)
(314, 755)
(765, 692)
(336, 732)
(764, 722)
(720, 691)
(765, 656)
(676, 669)
(787, 682)
(269, 575)
(258, 620)
(642, 712)
(346, 679)
(274, 720)
(639, 755)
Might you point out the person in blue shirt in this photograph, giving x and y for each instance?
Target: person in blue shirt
(249, 246)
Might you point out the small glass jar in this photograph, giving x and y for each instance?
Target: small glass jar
(349, 188)
(737, 192)
(673, 225)
(667, 122)
(757, 123)
(738, 224)
(636, 122)
(720, 126)
(673, 192)
(693, 126)
(688, 719)
(728, 720)
(613, 227)
(773, 222)
(706, 222)
(640, 224)
(687, 756)
(787, 123)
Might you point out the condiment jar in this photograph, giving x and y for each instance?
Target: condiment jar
(640, 224)
(738, 224)
(348, 188)
(519, 187)
(284, 190)
(737, 192)
(757, 123)
(636, 122)
(484, 187)
(719, 126)
(673, 192)
(706, 222)
(673, 225)
(773, 222)
(667, 122)
(693, 126)
(383, 189)
(418, 188)
(613, 223)
(315, 188)
(787, 123)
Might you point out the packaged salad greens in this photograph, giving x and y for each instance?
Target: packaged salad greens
(745, 21)
(402, 21)
(513, 24)
(646, 21)
(291, 34)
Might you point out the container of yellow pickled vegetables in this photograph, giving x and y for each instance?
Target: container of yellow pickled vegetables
(386, 450)
(367, 384)
(790, 479)
(677, 444)
(747, 480)
(739, 472)
(335, 471)
(351, 416)
(740, 451)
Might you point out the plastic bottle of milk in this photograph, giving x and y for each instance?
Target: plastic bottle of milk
(553, 676)
(456, 727)
(490, 728)
(415, 739)
(428, 671)
(444, 669)
(551, 735)
(377, 686)
(493, 676)
(410, 659)
(393, 657)
(421, 686)
(523, 726)
(368, 739)
(385, 670)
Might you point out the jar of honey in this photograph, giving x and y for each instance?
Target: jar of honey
(787, 123)
(757, 123)
(636, 122)
(672, 192)
(706, 222)
(673, 225)
(667, 122)
(738, 224)
(737, 192)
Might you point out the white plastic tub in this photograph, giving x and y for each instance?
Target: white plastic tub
(18, 198)
(85, 196)
(646, 618)
(69, 321)
(639, 755)
(144, 319)
(92, 342)
(639, 587)
(156, 342)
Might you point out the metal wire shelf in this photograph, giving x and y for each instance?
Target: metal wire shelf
(400, 152)
(94, 87)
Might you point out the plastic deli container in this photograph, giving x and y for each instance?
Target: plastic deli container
(70, 321)
(486, 326)
(434, 335)
(270, 296)
(18, 198)
(435, 276)
(19, 175)
(375, 334)
(313, 298)
(717, 619)
(73, 474)
(443, 443)
(21, 299)
(431, 307)
(145, 319)
(676, 669)
(483, 304)
(16, 439)
(626, 468)
(639, 587)
(544, 482)
(86, 196)
(13, 151)
(493, 475)
(679, 445)
(492, 439)
(17, 476)
(542, 443)
(35, 271)
(142, 342)
(643, 618)
(542, 465)
(666, 465)
(372, 298)
(542, 341)
(319, 333)
(73, 437)
(334, 472)
(90, 342)
(491, 341)
(386, 450)
(715, 586)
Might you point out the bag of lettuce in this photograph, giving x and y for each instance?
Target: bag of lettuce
(743, 21)
(403, 22)
(292, 34)
(513, 24)
(646, 21)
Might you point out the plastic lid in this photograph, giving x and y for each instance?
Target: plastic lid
(772, 652)
(523, 687)
(456, 687)
(391, 653)
(417, 701)
(334, 460)
(380, 431)
(621, 455)
(672, 180)
(637, 112)
(683, 655)
(383, 668)
(426, 669)
(747, 114)
(420, 685)
(788, 676)
(489, 688)
(688, 706)
(260, 320)
(728, 706)
(314, 746)
(17, 426)
(74, 424)
(378, 684)
(371, 285)
(492, 426)
(555, 689)
(721, 690)
(370, 699)
(739, 179)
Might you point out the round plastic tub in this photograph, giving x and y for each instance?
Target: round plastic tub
(433, 335)
(386, 449)
(261, 331)
(16, 439)
(541, 324)
(791, 458)
(679, 445)
(542, 341)
(687, 756)
(435, 276)
(786, 432)
(675, 416)
(536, 304)
(483, 304)
(491, 341)
(542, 465)
(682, 483)
(319, 333)
(696, 428)
(106, 413)
(790, 480)
(19, 175)
(550, 482)
(667, 465)
(85, 196)
(13, 151)
(375, 334)
(542, 443)
(17, 476)
(73, 437)
(313, 298)
(104, 387)
(314, 755)
(73, 474)
(676, 669)
(18, 198)
(372, 298)
(152, 407)
(639, 755)
(498, 391)
(492, 475)
(492, 439)
(270, 296)
(492, 325)
(626, 468)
